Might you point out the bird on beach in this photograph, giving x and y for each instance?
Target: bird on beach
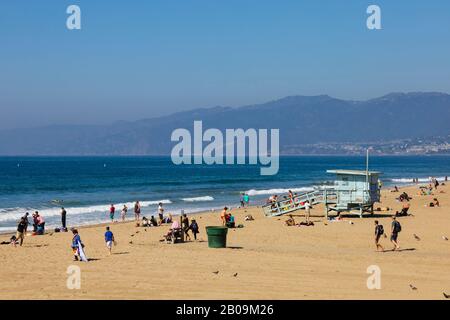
(216, 272)
(447, 296)
(412, 287)
(416, 237)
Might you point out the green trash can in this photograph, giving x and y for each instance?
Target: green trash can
(217, 237)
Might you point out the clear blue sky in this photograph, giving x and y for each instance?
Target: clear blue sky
(138, 59)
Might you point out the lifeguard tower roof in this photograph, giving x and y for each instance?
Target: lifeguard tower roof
(354, 172)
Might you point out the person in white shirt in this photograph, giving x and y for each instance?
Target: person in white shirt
(307, 210)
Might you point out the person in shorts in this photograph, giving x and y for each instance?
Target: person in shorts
(109, 239)
(379, 231)
(395, 229)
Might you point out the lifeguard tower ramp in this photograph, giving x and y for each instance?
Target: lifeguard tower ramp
(353, 190)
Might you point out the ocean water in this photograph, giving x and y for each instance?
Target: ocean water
(86, 186)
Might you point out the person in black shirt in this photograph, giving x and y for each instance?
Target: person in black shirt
(194, 227)
(379, 231)
(25, 218)
(63, 217)
(21, 229)
(395, 229)
(185, 226)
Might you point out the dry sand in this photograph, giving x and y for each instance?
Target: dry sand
(272, 261)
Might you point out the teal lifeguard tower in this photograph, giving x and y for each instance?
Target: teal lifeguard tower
(352, 190)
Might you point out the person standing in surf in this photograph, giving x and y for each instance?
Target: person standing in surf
(124, 212)
(112, 211)
(63, 218)
(137, 210)
(246, 199)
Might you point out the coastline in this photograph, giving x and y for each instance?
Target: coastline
(326, 261)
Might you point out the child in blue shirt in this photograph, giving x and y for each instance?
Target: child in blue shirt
(109, 239)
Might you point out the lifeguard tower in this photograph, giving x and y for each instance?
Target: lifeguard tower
(352, 190)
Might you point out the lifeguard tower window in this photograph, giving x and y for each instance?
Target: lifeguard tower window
(345, 181)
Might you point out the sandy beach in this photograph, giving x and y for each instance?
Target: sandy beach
(272, 261)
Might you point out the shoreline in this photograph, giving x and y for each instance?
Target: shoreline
(196, 213)
(273, 261)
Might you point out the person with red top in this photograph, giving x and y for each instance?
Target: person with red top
(112, 211)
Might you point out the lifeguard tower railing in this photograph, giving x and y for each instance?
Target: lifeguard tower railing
(334, 199)
(318, 195)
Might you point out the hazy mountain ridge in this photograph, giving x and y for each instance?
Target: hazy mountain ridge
(304, 122)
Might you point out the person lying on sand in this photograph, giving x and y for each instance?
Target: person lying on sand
(434, 203)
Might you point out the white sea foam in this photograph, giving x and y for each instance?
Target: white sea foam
(254, 192)
(197, 199)
(13, 214)
(410, 180)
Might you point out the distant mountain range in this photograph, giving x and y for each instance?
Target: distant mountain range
(308, 125)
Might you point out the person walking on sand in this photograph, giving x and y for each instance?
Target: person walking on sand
(137, 210)
(185, 226)
(379, 231)
(27, 222)
(112, 211)
(109, 239)
(63, 218)
(194, 228)
(20, 234)
(124, 212)
(307, 210)
(396, 228)
(77, 246)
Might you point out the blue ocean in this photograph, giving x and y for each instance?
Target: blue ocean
(86, 186)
